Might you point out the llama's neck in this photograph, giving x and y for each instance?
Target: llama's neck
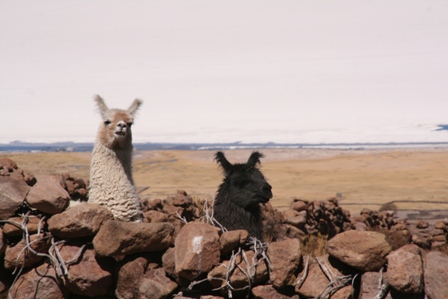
(234, 217)
(118, 158)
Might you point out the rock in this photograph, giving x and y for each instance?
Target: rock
(238, 279)
(269, 292)
(40, 282)
(399, 236)
(32, 224)
(139, 277)
(316, 281)
(7, 164)
(168, 262)
(196, 249)
(2, 242)
(155, 285)
(152, 216)
(285, 257)
(89, 276)
(82, 220)
(123, 238)
(129, 276)
(297, 219)
(48, 196)
(440, 225)
(12, 195)
(293, 232)
(15, 255)
(363, 250)
(361, 226)
(436, 275)
(422, 224)
(405, 269)
(233, 239)
(299, 205)
(369, 286)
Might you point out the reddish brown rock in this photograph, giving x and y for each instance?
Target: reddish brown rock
(231, 240)
(269, 292)
(363, 250)
(422, 224)
(40, 282)
(152, 216)
(316, 282)
(436, 275)
(12, 195)
(140, 277)
(405, 269)
(82, 220)
(17, 256)
(299, 205)
(48, 196)
(7, 164)
(32, 222)
(398, 236)
(155, 285)
(89, 276)
(369, 286)
(294, 218)
(168, 262)
(123, 238)
(285, 257)
(197, 249)
(2, 242)
(239, 279)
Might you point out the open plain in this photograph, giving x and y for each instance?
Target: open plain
(406, 179)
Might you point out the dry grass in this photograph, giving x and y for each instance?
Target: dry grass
(411, 178)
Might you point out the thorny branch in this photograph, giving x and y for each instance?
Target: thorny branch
(209, 217)
(336, 283)
(260, 256)
(56, 260)
(383, 287)
(305, 272)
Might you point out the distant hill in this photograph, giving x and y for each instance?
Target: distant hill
(18, 146)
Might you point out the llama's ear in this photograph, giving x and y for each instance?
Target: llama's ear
(254, 158)
(134, 107)
(101, 105)
(221, 160)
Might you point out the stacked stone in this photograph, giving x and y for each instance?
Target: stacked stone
(57, 251)
(318, 217)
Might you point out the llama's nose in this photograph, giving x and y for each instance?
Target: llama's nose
(267, 189)
(121, 125)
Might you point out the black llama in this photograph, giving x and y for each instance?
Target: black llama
(237, 203)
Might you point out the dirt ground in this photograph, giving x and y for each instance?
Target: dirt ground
(410, 179)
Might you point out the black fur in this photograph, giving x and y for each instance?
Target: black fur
(237, 203)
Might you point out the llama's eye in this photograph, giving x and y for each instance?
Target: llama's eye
(107, 122)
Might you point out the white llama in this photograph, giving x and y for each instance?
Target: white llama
(111, 183)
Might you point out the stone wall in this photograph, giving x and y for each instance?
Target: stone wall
(55, 245)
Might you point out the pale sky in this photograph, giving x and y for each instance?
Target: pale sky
(223, 71)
